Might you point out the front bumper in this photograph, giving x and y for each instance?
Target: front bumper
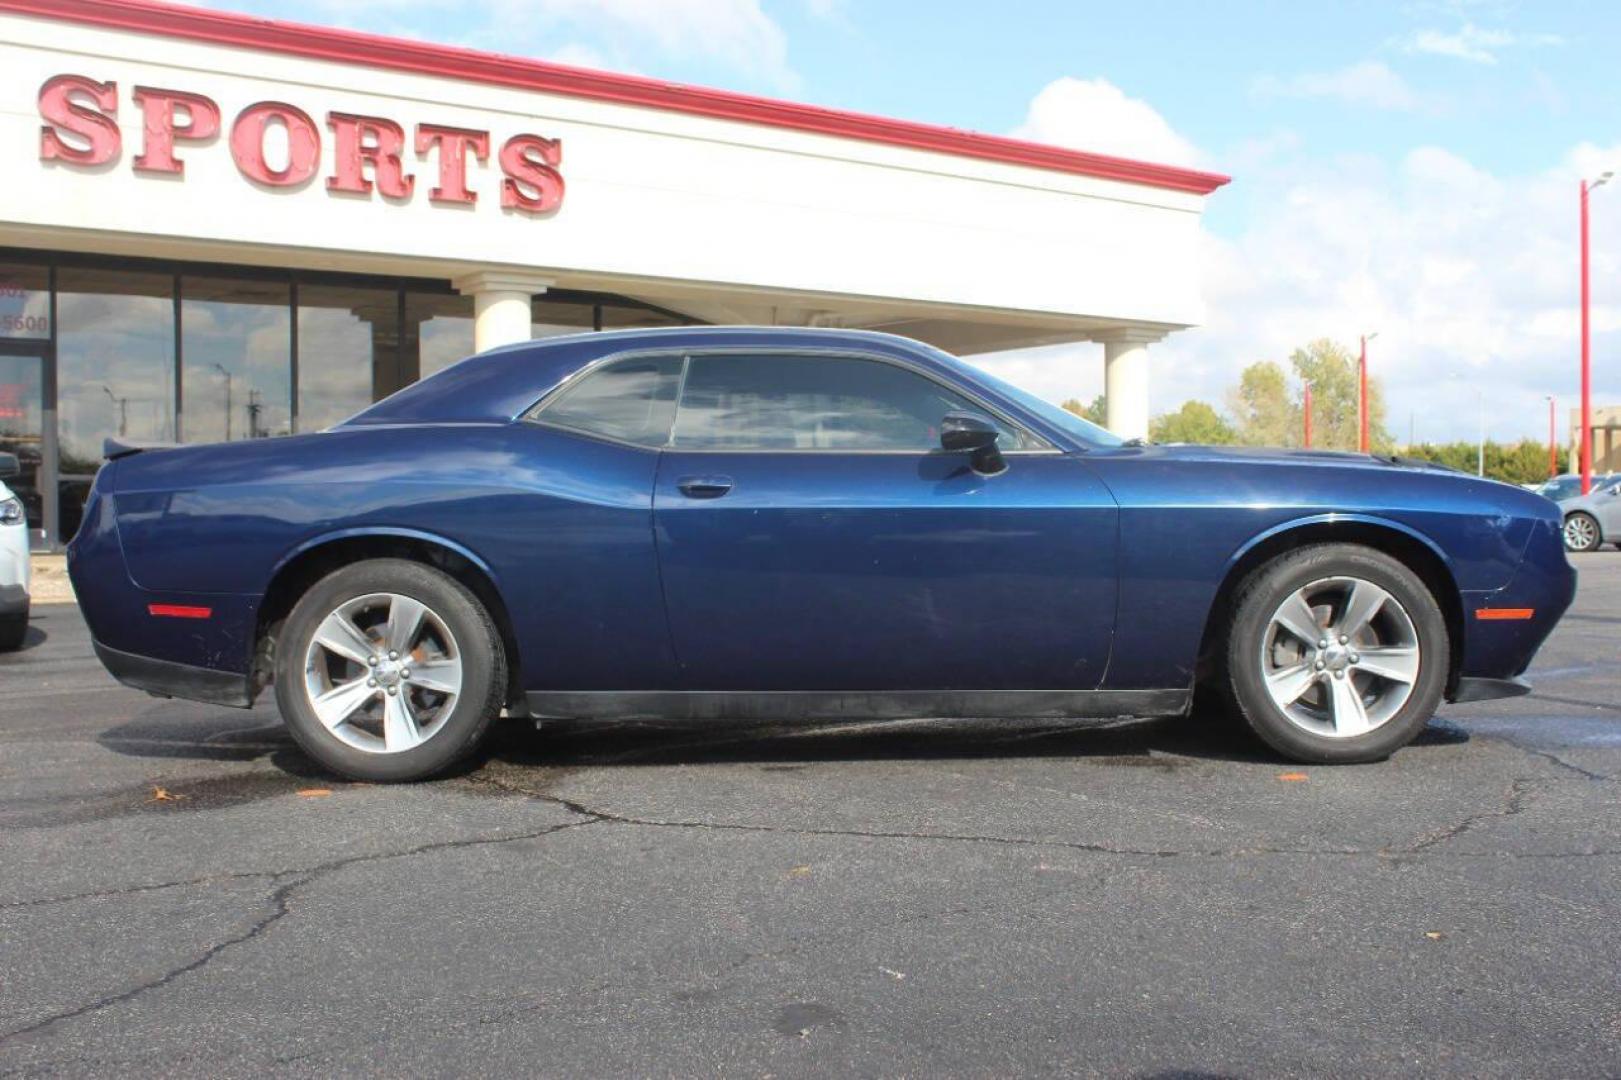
(1503, 628)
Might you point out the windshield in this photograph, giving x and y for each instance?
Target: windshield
(1060, 418)
(1568, 487)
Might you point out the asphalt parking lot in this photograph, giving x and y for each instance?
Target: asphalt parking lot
(185, 894)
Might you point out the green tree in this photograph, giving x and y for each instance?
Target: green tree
(1194, 422)
(1263, 411)
(1523, 462)
(1331, 370)
(1094, 412)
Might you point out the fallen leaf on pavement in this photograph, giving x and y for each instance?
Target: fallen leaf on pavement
(163, 794)
(314, 792)
(799, 871)
(1293, 777)
(1433, 935)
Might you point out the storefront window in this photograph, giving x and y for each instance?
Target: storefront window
(236, 341)
(553, 318)
(629, 316)
(441, 325)
(346, 345)
(25, 301)
(21, 429)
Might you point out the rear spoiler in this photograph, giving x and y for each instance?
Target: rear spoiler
(113, 448)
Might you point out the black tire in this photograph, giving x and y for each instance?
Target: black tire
(13, 629)
(1261, 595)
(483, 670)
(1590, 538)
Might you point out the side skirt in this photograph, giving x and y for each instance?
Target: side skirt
(853, 704)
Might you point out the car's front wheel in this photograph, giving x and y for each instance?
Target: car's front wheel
(389, 670)
(1582, 532)
(1337, 653)
(13, 631)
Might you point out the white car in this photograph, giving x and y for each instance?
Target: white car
(14, 565)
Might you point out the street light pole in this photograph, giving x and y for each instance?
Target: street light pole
(1586, 448)
(1362, 393)
(228, 381)
(1553, 453)
(123, 410)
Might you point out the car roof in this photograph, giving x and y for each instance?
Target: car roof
(500, 383)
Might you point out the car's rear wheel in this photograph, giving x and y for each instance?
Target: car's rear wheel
(389, 670)
(1582, 532)
(1337, 653)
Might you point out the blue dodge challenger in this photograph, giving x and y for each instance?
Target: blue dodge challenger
(707, 523)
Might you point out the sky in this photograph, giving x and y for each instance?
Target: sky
(1409, 168)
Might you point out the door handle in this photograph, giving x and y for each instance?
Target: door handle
(704, 487)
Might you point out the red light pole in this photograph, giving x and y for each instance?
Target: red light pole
(1307, 412)
(1586, 447)
(1553, 453)
(1362, 393)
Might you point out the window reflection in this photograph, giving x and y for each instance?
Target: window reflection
(346, 342)
(786, 402)
(553, 318)
(624, 316)
(115, 371)
(441, 325)
(236, 341)
(115, 361)
(25, 301)
(21, 400)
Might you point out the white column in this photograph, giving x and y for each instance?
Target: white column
(501, 305)
(1125, 379)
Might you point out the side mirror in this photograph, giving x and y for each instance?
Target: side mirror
(9, 466)
(971, 433)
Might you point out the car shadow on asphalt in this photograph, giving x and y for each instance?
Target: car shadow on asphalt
(195, 733)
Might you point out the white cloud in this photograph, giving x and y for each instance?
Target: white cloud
(1096, 115)
(736, 33)
(621, 35)
(577, 54)
(1369, 82)
(1468, 276)
(1471, 42)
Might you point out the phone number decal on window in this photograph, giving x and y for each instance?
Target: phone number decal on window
(25, 324)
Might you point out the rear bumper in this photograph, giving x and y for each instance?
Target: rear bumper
(165, 678)
(1469, 689)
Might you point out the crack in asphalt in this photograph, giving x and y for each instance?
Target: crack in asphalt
(131, 890)
(1514, 806)
(1549, 755)
(1514, 802)
(280, 900)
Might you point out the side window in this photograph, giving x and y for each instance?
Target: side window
(629, 400)
(771, 401)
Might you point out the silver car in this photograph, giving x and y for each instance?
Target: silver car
(1593, 519)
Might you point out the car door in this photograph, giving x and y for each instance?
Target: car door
(1607, 503)
(812, 535)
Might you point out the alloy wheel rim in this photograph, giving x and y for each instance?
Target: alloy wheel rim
(383, 673)
(1579, 533)
(1340, 657)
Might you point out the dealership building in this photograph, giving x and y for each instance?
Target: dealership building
(223, 227)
